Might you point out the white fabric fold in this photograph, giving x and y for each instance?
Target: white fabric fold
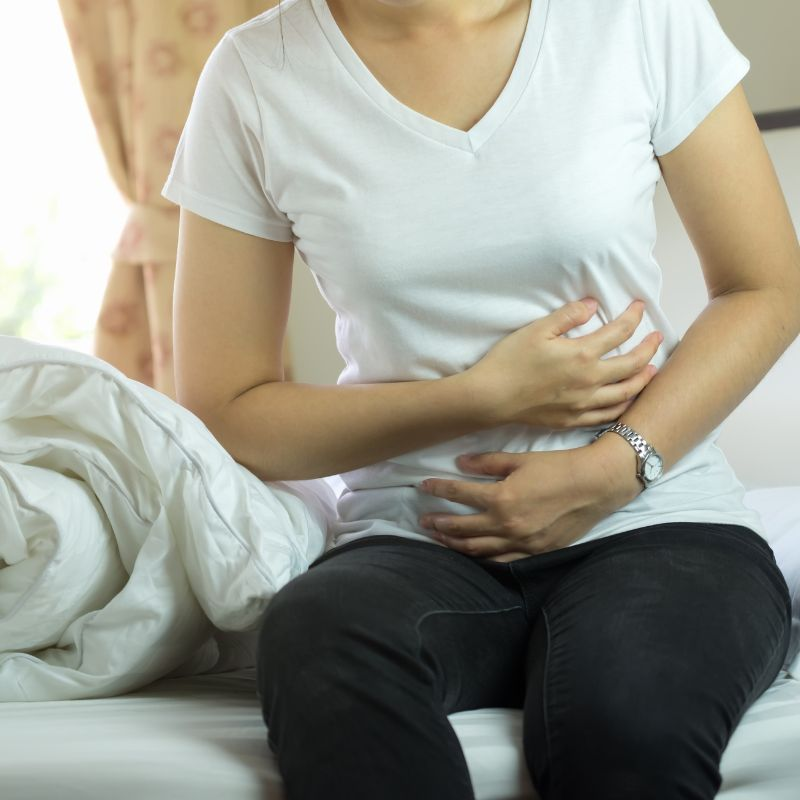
(132, 545)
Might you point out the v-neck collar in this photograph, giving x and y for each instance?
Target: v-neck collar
(483, 129)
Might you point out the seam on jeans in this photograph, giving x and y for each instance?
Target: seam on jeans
(449, 611)
(544, 694)
(762, 546)
(785, 634)
(521, 591)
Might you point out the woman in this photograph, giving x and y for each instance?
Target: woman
(471, 185)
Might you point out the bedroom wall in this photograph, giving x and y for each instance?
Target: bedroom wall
(766, 32)
(757, 436)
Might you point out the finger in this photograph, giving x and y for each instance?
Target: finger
(614, 333)
(619, 368)
(571, 315)
(470, 493)
(626, 390)
(478, 547)
(600, 416)
(504, 558)
(623, 392)
(492, 463)
(465, 525)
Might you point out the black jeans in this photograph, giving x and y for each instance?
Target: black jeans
(633, 657)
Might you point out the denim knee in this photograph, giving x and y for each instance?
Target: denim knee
(297, 618)
(619, 751)
(331, 633)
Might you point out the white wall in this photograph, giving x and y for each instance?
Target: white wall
(766, 31)
(311, 333)
(759, 435)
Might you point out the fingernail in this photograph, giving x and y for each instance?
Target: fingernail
(590, 302)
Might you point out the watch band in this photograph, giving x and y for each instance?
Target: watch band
(637, 442)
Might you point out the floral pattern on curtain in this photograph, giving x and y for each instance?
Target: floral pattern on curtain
(138, 62)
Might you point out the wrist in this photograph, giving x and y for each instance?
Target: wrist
(482, 399)
(618, 467)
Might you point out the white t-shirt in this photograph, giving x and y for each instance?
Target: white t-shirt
(431, 243)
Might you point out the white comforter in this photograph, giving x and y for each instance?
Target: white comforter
(130, 540)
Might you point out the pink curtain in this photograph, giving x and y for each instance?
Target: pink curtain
(138, 63)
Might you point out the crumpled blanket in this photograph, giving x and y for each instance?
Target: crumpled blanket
(132, 545)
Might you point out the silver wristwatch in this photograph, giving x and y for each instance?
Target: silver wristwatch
(651, 465)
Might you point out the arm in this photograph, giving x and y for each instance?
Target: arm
(725, 190)
(296, 431)
(231, 306)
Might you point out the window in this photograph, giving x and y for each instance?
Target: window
(60, 213)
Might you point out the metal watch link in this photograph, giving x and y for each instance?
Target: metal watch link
(651, 466)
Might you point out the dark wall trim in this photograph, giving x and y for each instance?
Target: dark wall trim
(771, 120)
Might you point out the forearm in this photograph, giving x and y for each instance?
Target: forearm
(297, 431)
(722, 357)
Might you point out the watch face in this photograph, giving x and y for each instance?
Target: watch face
(653, 467)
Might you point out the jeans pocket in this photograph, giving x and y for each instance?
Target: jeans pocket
(755, 542)
(745, 536)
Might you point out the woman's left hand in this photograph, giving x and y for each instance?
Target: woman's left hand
(544, 501)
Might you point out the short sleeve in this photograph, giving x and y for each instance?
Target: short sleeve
(220, 167)
(692, 65)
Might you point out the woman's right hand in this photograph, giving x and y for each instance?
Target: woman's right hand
(537, 376)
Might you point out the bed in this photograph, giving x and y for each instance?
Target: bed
(164, 706)
(202, 737)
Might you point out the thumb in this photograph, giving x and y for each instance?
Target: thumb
(501, 463)
(571, 315)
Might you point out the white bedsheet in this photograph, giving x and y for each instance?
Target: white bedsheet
(203, 738)
(129, 538)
